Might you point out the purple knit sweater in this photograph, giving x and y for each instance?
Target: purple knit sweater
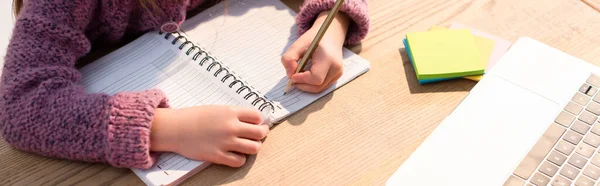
(44, 110)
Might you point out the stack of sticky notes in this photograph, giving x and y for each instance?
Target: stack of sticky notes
(456, 52)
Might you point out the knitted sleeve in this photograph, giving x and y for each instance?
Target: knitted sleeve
(43, 109)
(357, 10)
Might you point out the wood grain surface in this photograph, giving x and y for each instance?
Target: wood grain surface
(361, 133)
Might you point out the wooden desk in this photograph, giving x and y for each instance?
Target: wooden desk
(364, 131)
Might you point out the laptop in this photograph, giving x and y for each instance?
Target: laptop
(532, 120)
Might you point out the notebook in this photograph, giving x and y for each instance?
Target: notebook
(229, 59)
(445, 54)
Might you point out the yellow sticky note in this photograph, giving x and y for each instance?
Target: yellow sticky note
(445, 54)
(485, 46)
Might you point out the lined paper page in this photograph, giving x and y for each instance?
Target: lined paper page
(251, 39)
(154, 62)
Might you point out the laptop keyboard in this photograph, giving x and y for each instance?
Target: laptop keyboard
(567, 152)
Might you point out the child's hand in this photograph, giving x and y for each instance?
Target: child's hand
(218, 134)
(327, 59)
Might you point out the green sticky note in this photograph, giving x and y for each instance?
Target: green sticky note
(445, 54)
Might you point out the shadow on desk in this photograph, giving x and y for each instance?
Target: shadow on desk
(299, 117)
(221, 174)
(455, 85)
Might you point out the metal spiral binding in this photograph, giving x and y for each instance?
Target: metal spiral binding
(198, 52)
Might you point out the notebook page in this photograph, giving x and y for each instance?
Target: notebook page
(154, 62)
(251, 39)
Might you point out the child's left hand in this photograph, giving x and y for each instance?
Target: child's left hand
(326, 60)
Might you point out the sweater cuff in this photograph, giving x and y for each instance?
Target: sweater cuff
(357, 10)
(129, 127)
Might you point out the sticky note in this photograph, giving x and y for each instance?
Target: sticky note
(422, 81)
(485, 45)
(500, 46)
(445, 54)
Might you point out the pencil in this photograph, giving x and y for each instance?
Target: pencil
(315, 43)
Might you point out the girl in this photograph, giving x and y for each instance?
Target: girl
(43, 109)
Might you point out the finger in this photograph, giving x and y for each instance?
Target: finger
(333, 80)
(316, 76)
(248, 115)
(290, 59)
(318, 88)
(308, 88)
(333, 76)
(233, 159)
(245, 146)
(253, 132)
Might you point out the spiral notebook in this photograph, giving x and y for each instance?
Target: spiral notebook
(231, 59)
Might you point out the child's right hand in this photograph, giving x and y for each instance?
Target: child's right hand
(218, 134)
